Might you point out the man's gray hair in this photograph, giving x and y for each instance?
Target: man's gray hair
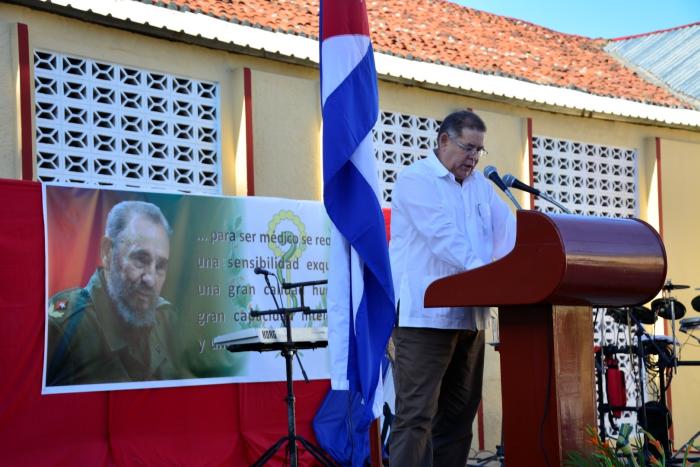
(120, 215)
(456, 122)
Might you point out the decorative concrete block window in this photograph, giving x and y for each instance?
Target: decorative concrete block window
(399, 140)
(587, 178)
(593, 180)
(103, 124)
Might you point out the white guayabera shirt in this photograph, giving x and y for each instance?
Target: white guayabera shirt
(439, 228)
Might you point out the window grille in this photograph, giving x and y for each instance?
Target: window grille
(587, 178)
(399, 140)
(594, 180)
(105, 124)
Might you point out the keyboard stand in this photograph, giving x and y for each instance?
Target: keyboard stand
(274, 346)
(288, 350)
(292, 438)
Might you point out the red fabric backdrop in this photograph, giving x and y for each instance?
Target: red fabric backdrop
(203, 425)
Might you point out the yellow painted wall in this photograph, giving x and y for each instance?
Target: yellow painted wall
(233, 148)
(10, 160)
(506, 142)
(620, 134)
(680, 165)
(649, 184)
(286, 125)
(53, 32)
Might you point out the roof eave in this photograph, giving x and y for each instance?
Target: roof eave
(216, 33)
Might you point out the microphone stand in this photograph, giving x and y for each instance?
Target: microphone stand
(512, 199)
(512, 182)
(274, 298)
(284, 315)
(554, 202)
(288, 350)
(491, 173)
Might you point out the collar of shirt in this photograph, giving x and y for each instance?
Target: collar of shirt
(441, 171)
(437, 167)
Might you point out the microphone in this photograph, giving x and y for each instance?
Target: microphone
(491, 173)
(295, 285)
(513, 182)
(267, 274)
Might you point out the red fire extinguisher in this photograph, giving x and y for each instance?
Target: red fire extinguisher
(615, 385)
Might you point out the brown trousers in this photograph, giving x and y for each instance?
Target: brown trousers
(438, 375)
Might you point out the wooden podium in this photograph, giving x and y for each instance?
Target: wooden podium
(561, 267)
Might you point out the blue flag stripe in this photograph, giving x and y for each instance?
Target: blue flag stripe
(372, 332)
(345, 123)
(364, 229)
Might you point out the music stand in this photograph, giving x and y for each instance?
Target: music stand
(288, 349)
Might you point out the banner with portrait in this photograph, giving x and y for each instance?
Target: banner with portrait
(138, 285)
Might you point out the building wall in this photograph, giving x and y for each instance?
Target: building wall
(272, 102)
(680, 164)
(286, 123)
(10, 161)
(287, 136)
(507, 145)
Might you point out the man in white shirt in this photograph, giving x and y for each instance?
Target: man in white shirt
(445, 219)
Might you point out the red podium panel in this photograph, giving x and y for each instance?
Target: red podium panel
(560, 267)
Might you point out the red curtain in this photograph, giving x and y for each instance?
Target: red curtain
(202, 425)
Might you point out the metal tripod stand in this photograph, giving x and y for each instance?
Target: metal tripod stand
(288, 350)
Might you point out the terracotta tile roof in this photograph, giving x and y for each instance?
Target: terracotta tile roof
(442, 32)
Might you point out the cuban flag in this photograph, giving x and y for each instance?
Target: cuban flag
(360, 298)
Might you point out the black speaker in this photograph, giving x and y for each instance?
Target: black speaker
(658, 422)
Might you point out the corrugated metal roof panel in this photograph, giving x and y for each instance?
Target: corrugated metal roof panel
(673, 57)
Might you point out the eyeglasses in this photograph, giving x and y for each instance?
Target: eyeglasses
(469, 148)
